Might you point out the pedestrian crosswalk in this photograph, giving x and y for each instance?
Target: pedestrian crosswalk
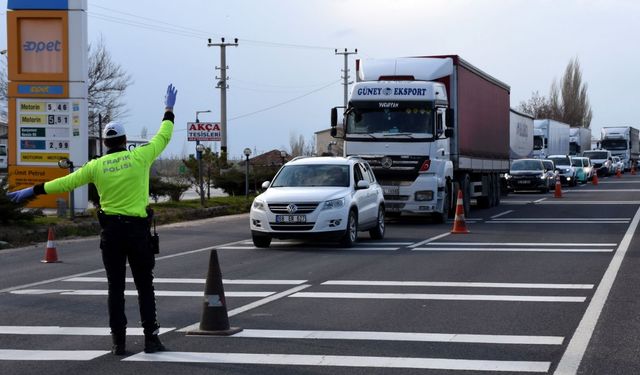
(296, 289)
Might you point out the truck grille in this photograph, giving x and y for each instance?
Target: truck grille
(301, 208)
(401, 167)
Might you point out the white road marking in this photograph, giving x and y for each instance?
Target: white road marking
(75, 331)
(343, 361)
(559, 221)
(599, 202)
(402, 336)
(595, 244)
(609, 191)
(518, 249)
(252, 305)
(368, 248)
(502, 214)
(159, 293)
(435, 238)
(441, 297)
(161, 280)
(564, 219)
(539, 200)
(457, 284)
(578, 345)
(50, 355)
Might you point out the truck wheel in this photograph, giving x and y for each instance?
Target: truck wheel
(377, 233)
(497, 191)
(351, 233)
(261, 241)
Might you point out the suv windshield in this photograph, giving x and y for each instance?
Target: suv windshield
(526, 165)
(561, 160)
(312, 175)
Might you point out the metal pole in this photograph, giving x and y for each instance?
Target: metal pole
(222, 85)
(246, 178)
(71, 197)
(199, 156)
(100, 131)
(346, 73)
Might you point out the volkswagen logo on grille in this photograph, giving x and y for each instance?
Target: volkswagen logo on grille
(292, 208)
(386, 162)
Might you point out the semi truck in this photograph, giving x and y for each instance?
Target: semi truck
(429, 127)
(622, 141)
(520, 135)
(550, 138)
(579, 140)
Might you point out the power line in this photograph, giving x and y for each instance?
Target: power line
(187, 31)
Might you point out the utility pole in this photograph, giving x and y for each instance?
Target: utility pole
(346, 72)
(222, 85)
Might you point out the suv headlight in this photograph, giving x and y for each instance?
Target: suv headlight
(334, 203)
(543, 176)
(259, 205)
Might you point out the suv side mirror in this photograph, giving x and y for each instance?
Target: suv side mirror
(265, 185)
(362, 184)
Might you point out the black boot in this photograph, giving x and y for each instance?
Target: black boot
(119, 339)
(152, 344)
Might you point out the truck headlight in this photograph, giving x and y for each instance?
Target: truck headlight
(426, 195)
(334, 203)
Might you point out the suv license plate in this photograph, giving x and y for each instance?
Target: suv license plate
(524, 182)
(291, 219)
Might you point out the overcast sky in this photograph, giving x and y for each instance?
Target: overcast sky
(285, 77)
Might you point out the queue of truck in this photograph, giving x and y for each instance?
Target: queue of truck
(434, 125)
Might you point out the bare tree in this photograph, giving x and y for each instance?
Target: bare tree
(537, 106)
(576, 110)
(297, 144)
(568, 100)
(107, 83)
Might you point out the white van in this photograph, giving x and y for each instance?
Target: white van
(3, 156)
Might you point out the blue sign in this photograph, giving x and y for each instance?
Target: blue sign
(27, 144)
(38, 4)
(40, 89)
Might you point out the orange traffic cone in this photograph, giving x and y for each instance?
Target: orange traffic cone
(633, 169)
(558, 192)
(459, 225)
(594, 179)
(618, 174)
(50, 254)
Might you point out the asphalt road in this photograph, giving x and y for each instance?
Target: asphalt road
(540, 285)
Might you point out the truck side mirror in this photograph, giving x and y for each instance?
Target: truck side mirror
(450, 118)
(334, 117)
(448, 133)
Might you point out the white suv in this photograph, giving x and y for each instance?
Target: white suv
(326, 197)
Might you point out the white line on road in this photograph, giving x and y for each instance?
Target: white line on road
(402, 336)
(441, 297)
(522, 244)
(502, 214)
(435, 238)
(161, 280)
(578, 345)
(50, 355)
(159, 293)
(457, 284)
(518, 249)
(74, 331)
(565, 219)
(252, 305)
(608, 191)
(558, 221)
(343, 361)
(539, 200)
(599, 202)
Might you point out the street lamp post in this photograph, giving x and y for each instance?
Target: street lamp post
(68, 164)
(283, 155)
(199, 149)
(247, 152)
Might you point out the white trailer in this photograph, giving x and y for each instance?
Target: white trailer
(520, 135)
(579, 140)
(622, 141)
(550, 138)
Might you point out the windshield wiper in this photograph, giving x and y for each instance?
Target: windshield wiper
(394, 134)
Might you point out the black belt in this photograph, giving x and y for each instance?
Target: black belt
(121, 218)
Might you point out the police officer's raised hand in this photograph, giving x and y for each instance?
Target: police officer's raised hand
(170, 98)
(20, 195)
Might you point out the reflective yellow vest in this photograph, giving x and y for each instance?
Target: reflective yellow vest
(122, 178)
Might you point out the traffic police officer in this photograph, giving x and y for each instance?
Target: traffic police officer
(122, 179)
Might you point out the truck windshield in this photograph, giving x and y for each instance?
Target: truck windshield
(3, 150)
(614, 144)
(389, 121)
(537, 142)
(595, 154)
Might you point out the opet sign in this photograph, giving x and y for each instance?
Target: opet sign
(203, 131)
